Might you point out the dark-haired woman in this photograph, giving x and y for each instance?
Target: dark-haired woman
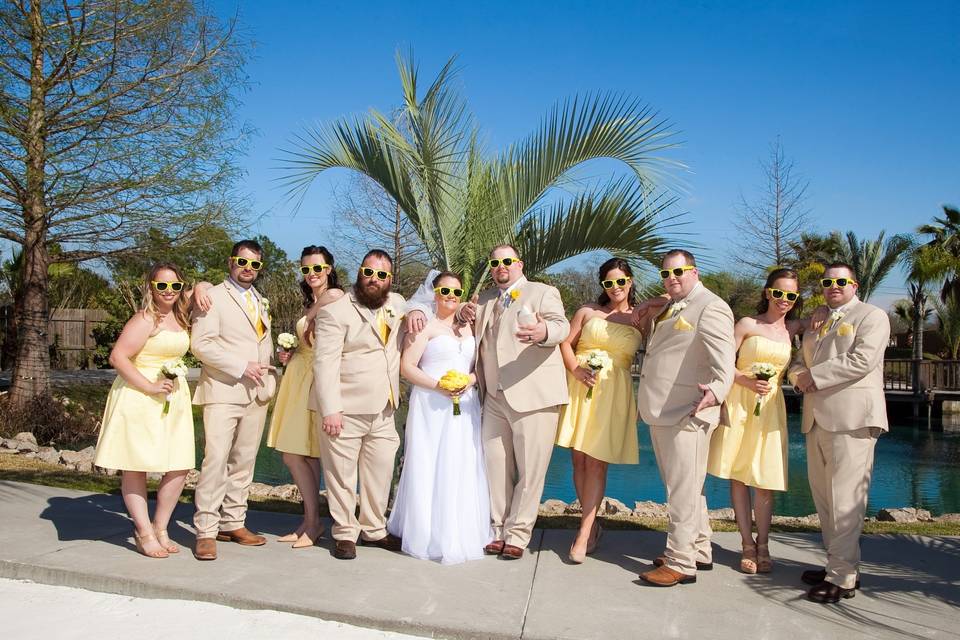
(293, 425)
(750, 447)
(599, 424)
(148, 419)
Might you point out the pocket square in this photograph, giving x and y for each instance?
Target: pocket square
(682, 325)
(846, 329)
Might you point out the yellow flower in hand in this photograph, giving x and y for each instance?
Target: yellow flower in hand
(454, 380)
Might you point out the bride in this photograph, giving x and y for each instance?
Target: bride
(442, 509)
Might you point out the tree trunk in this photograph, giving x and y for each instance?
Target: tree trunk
(31, 373)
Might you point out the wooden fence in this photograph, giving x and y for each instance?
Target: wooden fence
(71, 337)
(917, 376)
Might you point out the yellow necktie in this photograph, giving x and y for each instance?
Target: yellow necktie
(254, 314)
(384, 330)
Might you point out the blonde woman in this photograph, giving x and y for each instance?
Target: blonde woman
(293, 425)
(148, 419)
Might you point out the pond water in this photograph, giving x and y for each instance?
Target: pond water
(913, 467)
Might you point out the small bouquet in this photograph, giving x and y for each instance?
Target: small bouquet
(287, 342)
(451, 381)
(172, 370)
(597, 360)
(762, 371)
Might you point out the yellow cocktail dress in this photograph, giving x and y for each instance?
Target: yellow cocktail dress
(604, 426)
(293, 425)
(753, 449)
(135, 434)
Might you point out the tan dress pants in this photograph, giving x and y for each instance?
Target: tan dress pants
(232, 434)
(517, 449)
(365, 449)
(839, 466)
(681, 453)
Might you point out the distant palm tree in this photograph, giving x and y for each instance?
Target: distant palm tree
(812, 252)
(461, 202)
(872, 260)
(924, 263)
(948, 316)
(945, 238)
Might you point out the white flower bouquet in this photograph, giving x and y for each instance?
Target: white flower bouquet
(597, 360)
(172, 370)
(763, 371)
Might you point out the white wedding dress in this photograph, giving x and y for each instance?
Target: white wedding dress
(442, 509)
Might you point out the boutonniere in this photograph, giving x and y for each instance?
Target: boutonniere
(835, 315)
(387, 309)
(265, 303)
(513, 297)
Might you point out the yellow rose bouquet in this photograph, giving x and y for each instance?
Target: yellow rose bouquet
(453, 380)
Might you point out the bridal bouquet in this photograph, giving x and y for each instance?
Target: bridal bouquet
(287, 342)
(453, 380)
(597, 360)
(172, 370)
(762, 371)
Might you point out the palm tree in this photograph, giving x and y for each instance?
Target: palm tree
(461, 202)
(924, 263)
(945, 234)
(948, 316)
(812, 253)
(872, 260)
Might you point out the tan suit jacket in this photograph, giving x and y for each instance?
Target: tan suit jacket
(847, 366)
(354, 371)
(694, 347)
(531, 376)
(225, 340)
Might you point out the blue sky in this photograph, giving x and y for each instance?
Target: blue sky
(863, 95)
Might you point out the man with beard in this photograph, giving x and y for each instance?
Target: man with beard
(357, 388)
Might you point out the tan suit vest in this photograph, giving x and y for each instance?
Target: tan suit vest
(225, 340)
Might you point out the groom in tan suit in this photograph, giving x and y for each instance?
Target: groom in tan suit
(687, 372)
(233, 342)
(356, 391)
(519, 325)
(840, 373)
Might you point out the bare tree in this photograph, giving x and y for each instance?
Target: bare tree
(114, 117)
(767, 226)
(366, 217)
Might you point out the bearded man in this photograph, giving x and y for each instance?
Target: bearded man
(356, 391)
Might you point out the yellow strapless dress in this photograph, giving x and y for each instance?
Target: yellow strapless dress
(753, 449)
(605, 426)
(293, 425)
(135, 435)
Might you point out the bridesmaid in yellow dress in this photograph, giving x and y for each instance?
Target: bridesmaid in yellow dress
(137, 436)
(292, 425)
(602, 429)
(751, 450)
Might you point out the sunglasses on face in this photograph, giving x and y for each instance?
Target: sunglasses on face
(316, 268)
(676, 271)
(791, 296)
(610, 284)
(256, 265)
(367, 272)
(496, 262)
(446, 291)
(160, 285)
(826, 283)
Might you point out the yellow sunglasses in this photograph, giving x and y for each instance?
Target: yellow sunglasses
(367, 272)
(316, 268)
(826, 283)
(791, 296)
(619, 282)
(676, 271)
(496, 262)
(256, 265)
(160, 285)
(446, 291)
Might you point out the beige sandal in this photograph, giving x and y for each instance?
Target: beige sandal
(764, 563)
(139, 540)
(165, 541)
(748, 559)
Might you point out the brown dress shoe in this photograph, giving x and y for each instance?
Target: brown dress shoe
(205, 549)
(813, 577)
(511, 552)
(666, 577)
(242, 536)
(345, 550)
(389, 542)
(829, 593)
(494, 548)
(659, 561)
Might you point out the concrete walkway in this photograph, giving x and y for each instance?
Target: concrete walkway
(911, 584)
